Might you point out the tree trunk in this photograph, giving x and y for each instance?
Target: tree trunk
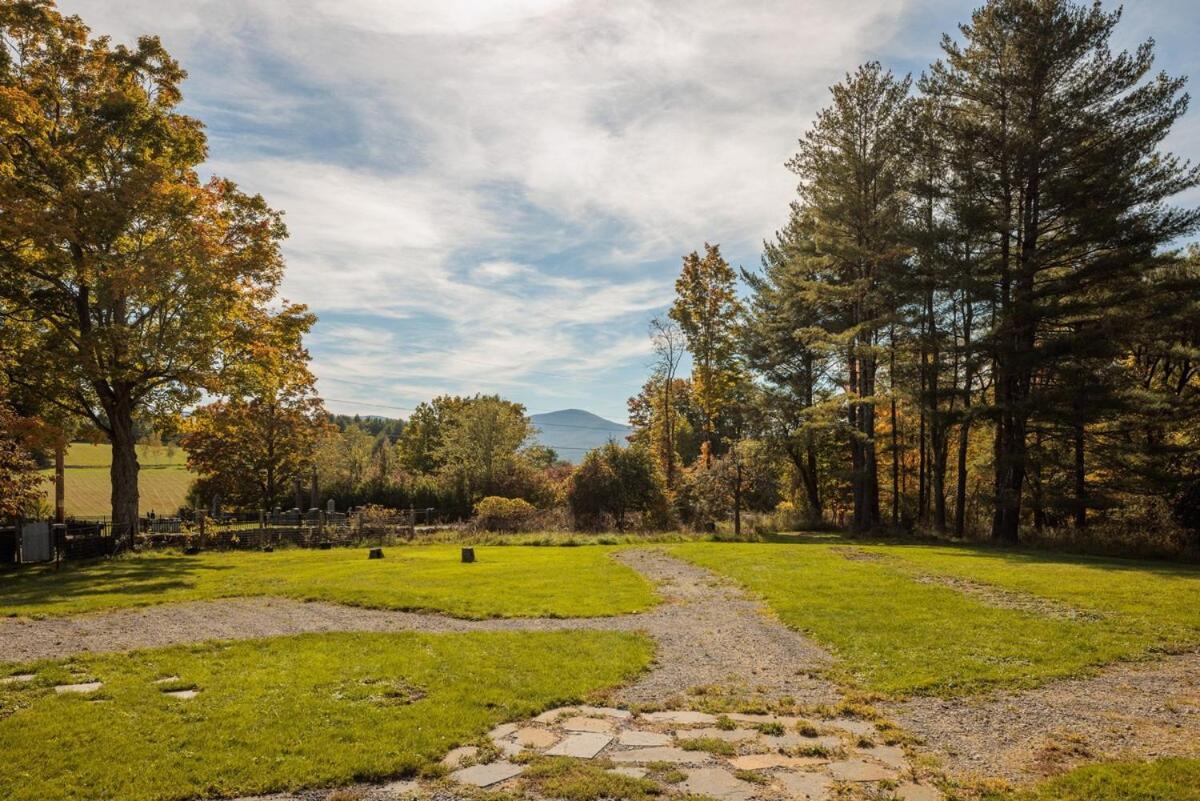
(124, 471)
(737, 498)
(60, 489)
(960, 489)
(1080, 479)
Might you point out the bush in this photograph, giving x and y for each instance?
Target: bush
(614, 484)
(494, 513)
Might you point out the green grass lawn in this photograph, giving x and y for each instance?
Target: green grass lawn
(896, 635)
(1162, 780)
(506, 581)
(288, 712)
(1159, 599)
(163, 481)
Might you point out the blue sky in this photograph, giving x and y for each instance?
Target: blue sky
(494, 196)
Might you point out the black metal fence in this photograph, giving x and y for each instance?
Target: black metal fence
(89, 538)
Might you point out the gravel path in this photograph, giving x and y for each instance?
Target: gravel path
(708, 632)
(1134, 710)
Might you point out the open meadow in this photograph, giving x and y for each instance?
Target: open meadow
(163, 481)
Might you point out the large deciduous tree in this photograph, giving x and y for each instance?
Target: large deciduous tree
(137, 280)
(707, 310)
(250, 447)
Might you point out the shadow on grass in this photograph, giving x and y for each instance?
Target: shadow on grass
(1017, 556)
(130, 576)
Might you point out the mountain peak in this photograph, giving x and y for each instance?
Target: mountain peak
(574, 432)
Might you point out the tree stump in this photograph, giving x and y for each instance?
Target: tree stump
(375, 553)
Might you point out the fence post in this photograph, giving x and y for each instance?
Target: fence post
(203, 534)
(412, 522)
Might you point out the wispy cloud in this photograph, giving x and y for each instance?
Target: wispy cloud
(494, 196)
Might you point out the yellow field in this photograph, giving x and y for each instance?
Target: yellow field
(162, 484)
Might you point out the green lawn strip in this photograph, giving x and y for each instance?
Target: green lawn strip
(1160, 601)
(287, 712)
(1162, 780)
(898, 636)
(505, 581)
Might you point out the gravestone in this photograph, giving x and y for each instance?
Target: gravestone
(468, 555)
(375, 553)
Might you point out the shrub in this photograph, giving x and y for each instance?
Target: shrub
(494, 513)
(615, 483)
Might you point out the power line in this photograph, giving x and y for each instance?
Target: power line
(620, 430)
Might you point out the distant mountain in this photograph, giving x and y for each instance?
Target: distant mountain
(574, 432)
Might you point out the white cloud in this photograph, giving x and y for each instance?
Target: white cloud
(510, 183)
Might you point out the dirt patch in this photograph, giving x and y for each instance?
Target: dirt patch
(1134, 710)
(988, 594)
(992, 595)
(857, 554)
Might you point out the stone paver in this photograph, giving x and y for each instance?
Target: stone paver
(807, 786)
(862, 728)
(459, 755)
(580, 723)
(551, 715)
(717, 783)
(660, 754)
(890, 755)
(19, 677)
(84, 687)
(856, 770)
(793, 740)
(643, 739)
(629, 770)
(918, 792)
(583, 745)
(684, 716)
(503, 730)
(745, 717)
(535, 738)
(487, 775)
(767, 761)
(166, 679)
(606, 711)
(185, 695)
(728, 735)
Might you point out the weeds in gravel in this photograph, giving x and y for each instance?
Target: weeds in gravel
(752, 776)
(711, 745)
(666, 772)
(576, 780)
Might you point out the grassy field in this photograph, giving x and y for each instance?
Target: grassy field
(1162, 780)
(897, 634)
(163, 482)
(288, 712)
(508, 581)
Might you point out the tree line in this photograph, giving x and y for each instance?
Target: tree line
(977, 318)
